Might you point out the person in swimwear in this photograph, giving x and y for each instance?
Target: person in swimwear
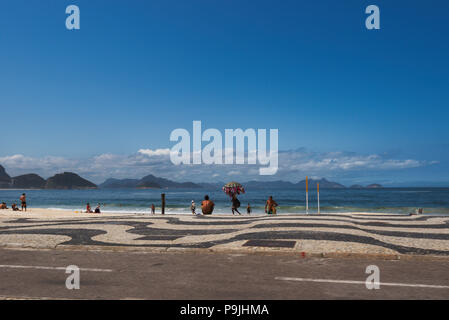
(193, 207)
(23, 200)
(207, 206)
(270, 206)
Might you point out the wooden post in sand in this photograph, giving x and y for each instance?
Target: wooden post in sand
(318, 193)
(163, 203)
(307, 195)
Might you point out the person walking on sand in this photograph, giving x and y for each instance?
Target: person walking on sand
(248, 209)
(23, 200)
(153, 209)
(207, 206)
(235, 204)
(270, 206)
(193, 207)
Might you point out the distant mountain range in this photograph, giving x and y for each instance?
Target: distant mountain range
(69, 180)
(66, 180)
(151, 181)
(147, 182)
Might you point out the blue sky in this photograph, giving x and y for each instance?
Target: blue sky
(374, 102)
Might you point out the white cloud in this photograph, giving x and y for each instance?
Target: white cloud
(340, 161)
(157, 152)
(27, 163)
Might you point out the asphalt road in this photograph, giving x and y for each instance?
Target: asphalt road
(131, 275)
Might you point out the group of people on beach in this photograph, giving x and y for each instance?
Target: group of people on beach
(14, 207)
(89, 208)
(207, 206)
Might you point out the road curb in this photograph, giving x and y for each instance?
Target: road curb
(241, 250)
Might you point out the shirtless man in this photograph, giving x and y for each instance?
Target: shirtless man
(23, 200)
(270, 206)
(207, 206)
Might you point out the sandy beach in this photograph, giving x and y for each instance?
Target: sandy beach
(44, 213)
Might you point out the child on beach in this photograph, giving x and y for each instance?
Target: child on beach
(193, 207)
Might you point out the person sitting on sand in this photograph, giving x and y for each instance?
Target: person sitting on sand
(97, 209)
(23, 200)
(207, 206)
(193, 207)
(3, 206)
(88, 208)
(270, 206)
(14, 207)
(248, 209)
(235, 204)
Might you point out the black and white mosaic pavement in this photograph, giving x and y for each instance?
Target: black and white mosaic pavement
(348, 233)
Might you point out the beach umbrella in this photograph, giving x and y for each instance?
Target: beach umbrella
(232, 188)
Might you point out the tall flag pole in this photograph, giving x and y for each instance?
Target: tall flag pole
(318, 193)
(307, 195)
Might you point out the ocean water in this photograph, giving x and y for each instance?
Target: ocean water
(388, 200)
